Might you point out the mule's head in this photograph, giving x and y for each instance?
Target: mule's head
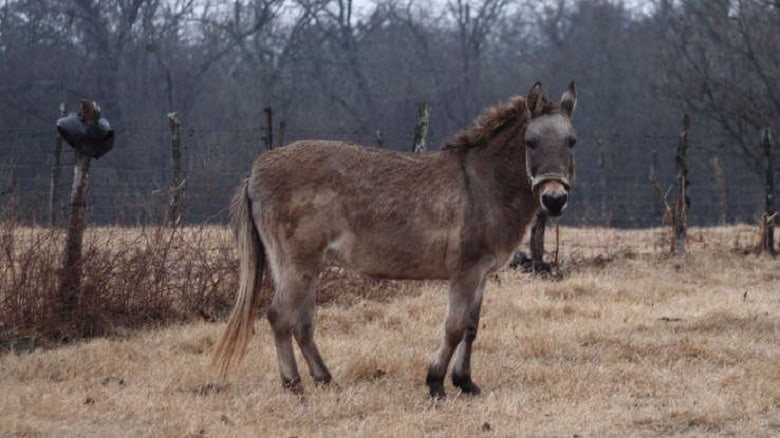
(549, 142)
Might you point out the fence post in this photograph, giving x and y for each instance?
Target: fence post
(282, 130)
(173, 215)
(55, 169)
(379, 138)
(770, 215)
(70, 292)
(268, 137)
(663, 207)
(603, 184)
(70, 275)
(679, 212)
(720, 177)
(537, 241)
(419, 143)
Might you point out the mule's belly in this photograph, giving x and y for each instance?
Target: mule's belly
(397, 255)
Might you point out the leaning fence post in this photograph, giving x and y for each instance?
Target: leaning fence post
(679, 212)
(70, 276)
(173, 215)
(55, 169)
(420, 141)
(770, 215)
(91, 136)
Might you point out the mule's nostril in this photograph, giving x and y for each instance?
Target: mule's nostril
(554, 203)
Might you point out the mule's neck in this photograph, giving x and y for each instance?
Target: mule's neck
(499, 166)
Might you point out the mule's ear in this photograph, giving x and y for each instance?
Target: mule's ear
(569, 100)
(536, 99)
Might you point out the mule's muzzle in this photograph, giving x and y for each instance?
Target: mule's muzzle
(554, 203)
(553, 196)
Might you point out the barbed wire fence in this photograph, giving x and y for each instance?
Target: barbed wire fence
(130, 187)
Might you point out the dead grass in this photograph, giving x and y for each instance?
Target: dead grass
(630, 343)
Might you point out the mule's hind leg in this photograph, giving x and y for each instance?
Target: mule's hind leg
(290, 315)
(460, 328)
(304, 335)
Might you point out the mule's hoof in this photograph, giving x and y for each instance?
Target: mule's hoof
(437, 392)
(436, 385)
(322, 380)
(466, 385)
(293, 385)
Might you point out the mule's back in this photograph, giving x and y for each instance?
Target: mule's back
(383, 213)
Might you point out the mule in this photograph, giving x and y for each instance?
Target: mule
(457, 214)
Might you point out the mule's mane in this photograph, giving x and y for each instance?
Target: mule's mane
(494, 119)
(489, 123)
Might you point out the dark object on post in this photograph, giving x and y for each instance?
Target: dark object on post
(86, 131)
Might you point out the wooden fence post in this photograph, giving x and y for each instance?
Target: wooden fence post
(679, 212)
(537, 242)
(268, 137)
(720, 178)
(70, 292)
(70, 276)
(173, 215)
(55, 169)
(663, 206)
(605, 216)
(770, 215)
(419, 144)
(282, 130)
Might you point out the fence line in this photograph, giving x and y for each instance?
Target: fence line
(132, 182)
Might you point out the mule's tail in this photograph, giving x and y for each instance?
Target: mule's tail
(251, 253)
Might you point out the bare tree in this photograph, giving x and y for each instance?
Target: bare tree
(725, 66)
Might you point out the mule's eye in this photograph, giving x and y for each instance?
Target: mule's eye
(532, 143)
(572, 141)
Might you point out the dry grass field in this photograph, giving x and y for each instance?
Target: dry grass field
(630, 342)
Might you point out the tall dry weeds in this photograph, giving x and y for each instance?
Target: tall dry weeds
(131, 278)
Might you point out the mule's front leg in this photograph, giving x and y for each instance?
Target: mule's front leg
(461, 369)
(460, 327)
